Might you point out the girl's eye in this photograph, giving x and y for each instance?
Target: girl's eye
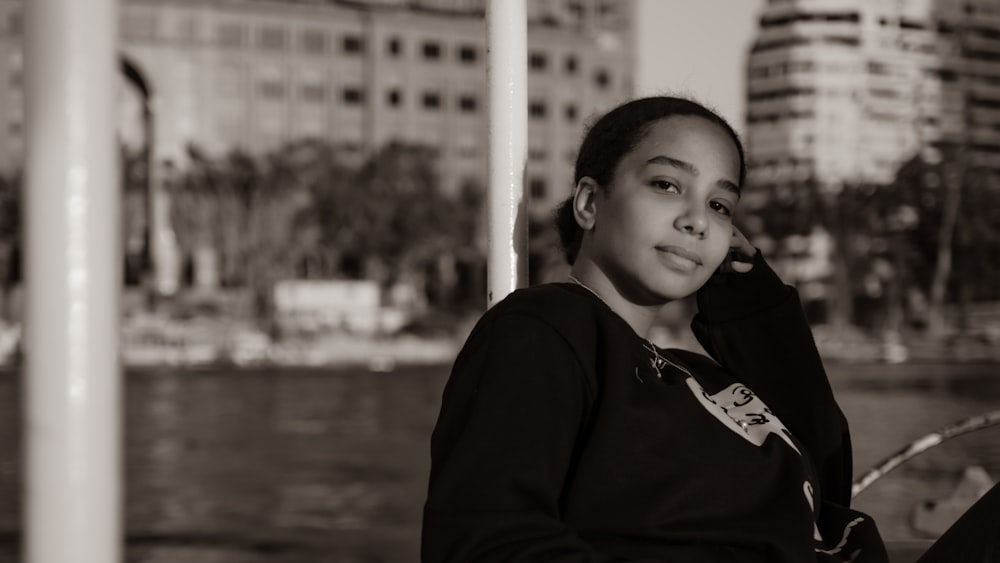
(721, 208)
(666, 185)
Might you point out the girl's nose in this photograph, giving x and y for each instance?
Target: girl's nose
(692, 221)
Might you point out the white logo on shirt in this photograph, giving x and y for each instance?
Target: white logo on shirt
(743, 412)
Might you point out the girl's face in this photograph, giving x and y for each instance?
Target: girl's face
(664, 225)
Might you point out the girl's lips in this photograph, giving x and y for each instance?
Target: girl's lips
(681, 252)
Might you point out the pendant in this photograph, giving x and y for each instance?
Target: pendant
(658, 362)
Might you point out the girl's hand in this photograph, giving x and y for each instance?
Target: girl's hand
(741, 253)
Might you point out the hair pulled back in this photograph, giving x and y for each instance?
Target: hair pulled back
(615, 135)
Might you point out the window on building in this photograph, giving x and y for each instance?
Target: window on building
(537, 61)
(570, 64)
(394, 47)
(537, 109)
(271, 38)
(802, 66)
(352, 95)
(468, 103)
(15, 23)
(538, 188)
(272, 89)
(229, 34)
(781, 93)
(313, 41)
(843, 40)
(780, 43)
(432, 50)
(431, 100)
(353, 44)
(394, 98)
(786, 18)
(570, 112)
(313, 92)
(468, 54)
(945, 75)
(884, 93)
(535, 153)
(602, 78)
(845, 17)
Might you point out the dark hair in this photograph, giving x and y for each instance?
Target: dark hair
(612, 137)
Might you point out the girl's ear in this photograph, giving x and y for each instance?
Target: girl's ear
(585, 203)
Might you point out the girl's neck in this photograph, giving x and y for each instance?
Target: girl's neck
(639, 317)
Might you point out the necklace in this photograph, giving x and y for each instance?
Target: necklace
(656, 361)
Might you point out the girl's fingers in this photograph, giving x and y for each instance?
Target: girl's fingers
(741, 256)
(742, 245)
(741, 267)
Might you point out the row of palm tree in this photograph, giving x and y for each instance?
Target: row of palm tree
(303, 212)
(928, 241)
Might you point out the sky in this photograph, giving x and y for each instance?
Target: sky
(685, 47)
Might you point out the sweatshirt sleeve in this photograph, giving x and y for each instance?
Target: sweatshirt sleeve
(511, 412)
(753, 324)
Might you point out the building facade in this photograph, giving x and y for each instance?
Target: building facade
(849, 90)
(252, 75)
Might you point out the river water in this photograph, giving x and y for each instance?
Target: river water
(304, 465)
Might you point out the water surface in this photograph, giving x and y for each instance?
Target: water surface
(304, 465)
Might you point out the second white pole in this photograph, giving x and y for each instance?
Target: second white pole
(507, 75)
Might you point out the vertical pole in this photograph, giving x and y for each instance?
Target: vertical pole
(507, 74)
(73, 274)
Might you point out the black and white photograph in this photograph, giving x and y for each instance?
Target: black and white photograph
(499, 281)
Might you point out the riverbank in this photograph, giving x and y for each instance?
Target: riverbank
(156, 340)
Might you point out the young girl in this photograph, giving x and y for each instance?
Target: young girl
(566, 436)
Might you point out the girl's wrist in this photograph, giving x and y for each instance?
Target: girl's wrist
(735, 295)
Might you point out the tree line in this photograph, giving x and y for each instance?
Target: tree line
(902, 253)
(305, 211)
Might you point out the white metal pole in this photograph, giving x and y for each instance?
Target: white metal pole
(507, 73)
(73, 271)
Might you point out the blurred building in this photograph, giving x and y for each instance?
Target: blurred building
(849, 90)
(251, 74)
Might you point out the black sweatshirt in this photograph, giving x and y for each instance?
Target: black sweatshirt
(564, 436)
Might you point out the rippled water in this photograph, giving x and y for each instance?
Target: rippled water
(308, 465)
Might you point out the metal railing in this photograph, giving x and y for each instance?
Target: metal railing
(923, 444)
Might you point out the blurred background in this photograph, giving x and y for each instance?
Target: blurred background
(304, 238)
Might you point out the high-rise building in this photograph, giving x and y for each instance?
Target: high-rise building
(253, 74)
(849, 90)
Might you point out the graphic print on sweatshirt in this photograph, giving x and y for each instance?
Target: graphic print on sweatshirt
(743, 412)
